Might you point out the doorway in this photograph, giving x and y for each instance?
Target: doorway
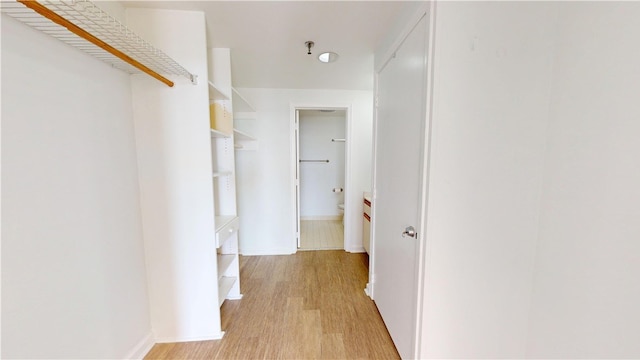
(321, 135)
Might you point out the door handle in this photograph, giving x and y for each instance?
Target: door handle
(410, 231)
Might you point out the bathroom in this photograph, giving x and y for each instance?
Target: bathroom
(321, 147)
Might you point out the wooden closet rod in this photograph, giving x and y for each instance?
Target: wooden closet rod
(45, 12)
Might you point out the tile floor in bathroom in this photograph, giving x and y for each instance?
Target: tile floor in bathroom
(321, 235)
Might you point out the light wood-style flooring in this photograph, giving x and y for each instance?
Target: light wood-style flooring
(310, 305)
(321, 235)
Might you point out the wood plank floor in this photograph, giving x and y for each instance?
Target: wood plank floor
(310, 305)
(321, 235)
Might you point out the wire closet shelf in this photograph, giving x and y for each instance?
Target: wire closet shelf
(83, 25)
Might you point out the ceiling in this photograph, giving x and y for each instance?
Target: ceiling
(267, 39)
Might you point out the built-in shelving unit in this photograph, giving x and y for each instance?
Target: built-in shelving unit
(242, 107)
(243, 110)
(215, 93)
(223, 221)
(225, 286)
(222, 173)
(219, 134)
(240, 102)
(83, 25)
(226, 220)
(224, 263)
(243, 141)
(239, 135)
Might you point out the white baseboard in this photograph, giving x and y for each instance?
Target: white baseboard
(217, 336)
(324, 218)
(355, 249)
(367, 290)
(260, 252)
(142, 348)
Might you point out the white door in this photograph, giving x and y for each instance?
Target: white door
(400, 140)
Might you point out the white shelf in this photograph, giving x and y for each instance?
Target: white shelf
(222, 221)
(224, 262)
(222, 173)
(240, 103)
(244, 141)
(215, 93)
(227, 236)
(219, 134)
(224, 287)
(86, 23)
(239, 135)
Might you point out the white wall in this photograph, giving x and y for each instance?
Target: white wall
(587, 287)
(317, 180)
(264, 176)
(176, 188)
(73, 271)
(492, 69)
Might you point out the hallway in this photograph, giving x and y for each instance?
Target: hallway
(310, 305)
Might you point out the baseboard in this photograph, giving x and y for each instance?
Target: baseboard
(142, 348)
(217, 336)
(260, 252)
(355, 249)
(323, 218)
(367, 290)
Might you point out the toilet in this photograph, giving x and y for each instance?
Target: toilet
(341, 207)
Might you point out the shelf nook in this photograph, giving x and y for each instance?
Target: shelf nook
(243, 141)
(215, 93)
(242, 109)
(219, 134)
(85, 26)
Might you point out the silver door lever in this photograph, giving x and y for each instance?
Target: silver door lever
(410, 231)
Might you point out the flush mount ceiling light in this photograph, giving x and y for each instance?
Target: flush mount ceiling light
(328, 57)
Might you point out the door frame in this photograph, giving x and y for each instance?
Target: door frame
(427, 10)
(294, 164)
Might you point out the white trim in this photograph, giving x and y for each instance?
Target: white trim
(356, 249)
(293, 150)
(347, 164)
(367, 290)
(372, 244)
(348, 161)
(424, 246)
(272, 251)
(141, 348)
(217, 336)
